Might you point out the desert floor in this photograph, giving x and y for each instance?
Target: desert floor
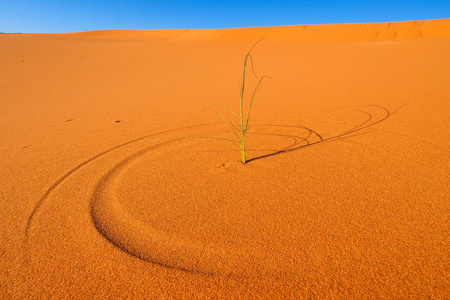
(109, 190)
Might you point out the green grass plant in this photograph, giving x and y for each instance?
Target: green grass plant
(243, 117)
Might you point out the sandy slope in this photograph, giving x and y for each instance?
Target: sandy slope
(98, 200)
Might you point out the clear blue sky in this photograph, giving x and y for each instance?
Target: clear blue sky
(82, 15)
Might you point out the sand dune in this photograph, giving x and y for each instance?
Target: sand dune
(341, 32)
(345, 194)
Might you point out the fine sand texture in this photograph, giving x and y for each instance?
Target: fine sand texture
(107, 191)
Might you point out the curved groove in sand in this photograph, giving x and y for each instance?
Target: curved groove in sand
(143, 241)
(134, 236)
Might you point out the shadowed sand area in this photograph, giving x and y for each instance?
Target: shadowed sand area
(104, 194)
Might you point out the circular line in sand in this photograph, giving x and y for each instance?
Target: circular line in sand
(141, 240)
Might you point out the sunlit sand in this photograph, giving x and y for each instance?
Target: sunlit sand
(345, 193)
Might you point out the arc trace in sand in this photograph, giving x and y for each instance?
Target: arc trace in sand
(141, 240)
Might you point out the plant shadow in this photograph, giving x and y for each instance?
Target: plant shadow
(314, 138)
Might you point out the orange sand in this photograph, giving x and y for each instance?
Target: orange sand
(99, 201)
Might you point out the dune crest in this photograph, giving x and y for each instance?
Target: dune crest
(339, 32)
(147, 34)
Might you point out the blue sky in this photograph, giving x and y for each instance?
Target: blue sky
(82, 15)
